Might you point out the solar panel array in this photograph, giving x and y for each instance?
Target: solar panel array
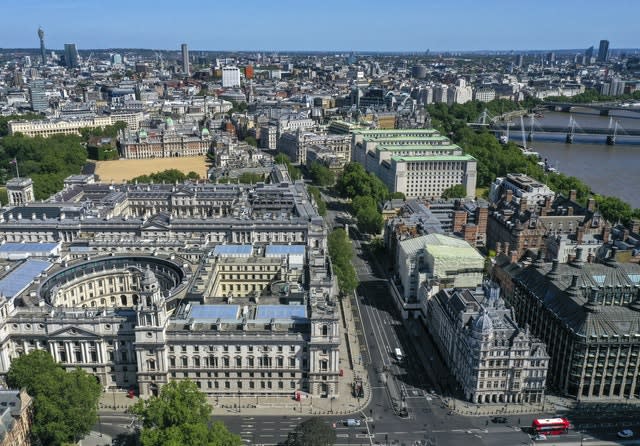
(268, 312)
(20, 278)
(213, 312)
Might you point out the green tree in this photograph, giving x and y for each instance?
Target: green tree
(65, 403)
(46, 160)
(322, 206)
(166, 176)
(369, 218)
(614, 209)
(251, 141)
(341, 253)
(457, 191)
(321, 175)
(238, 107)
(180, 416)
(250, 178)
(312, 432)
(356, 181)
(397, 196)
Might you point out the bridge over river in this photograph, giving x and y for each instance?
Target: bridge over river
(573, 129)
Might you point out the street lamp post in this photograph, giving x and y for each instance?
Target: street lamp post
(114, 398)
(238, 401)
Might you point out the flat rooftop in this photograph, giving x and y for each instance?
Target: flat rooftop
(433, 158)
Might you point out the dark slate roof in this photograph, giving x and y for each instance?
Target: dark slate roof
(567, 302)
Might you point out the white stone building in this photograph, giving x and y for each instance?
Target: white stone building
(491, 357)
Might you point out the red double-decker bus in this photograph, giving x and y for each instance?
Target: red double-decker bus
(550, 426)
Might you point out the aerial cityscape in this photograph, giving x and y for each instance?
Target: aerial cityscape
(330, 224)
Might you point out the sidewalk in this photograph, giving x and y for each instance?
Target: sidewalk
(95, 439)
(469, 409)
(350, 363)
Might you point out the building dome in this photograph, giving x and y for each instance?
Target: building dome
(205, 132)
(148, 278)
(483, 324)
(169, 122)
(142, 134)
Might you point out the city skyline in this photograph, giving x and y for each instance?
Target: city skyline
(411, 26)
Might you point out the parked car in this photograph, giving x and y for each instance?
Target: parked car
(352, 422)
(626, 433)
(540, 437)
(500, 420)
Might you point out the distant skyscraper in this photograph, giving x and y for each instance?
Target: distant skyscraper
(39, 101)
(603, 51)
(42, 50)
(185, 59)
(588, 55)
(519, 60)
(70, 55)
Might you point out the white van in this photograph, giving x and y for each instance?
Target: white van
(398, 354)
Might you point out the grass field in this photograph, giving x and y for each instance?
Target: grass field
(124, 170)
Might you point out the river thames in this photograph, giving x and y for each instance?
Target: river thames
(608, 170)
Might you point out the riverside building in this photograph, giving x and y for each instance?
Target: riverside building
(420, 163)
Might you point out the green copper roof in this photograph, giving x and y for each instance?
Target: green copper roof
(428, 158)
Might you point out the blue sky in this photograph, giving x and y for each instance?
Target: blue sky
(337, 25)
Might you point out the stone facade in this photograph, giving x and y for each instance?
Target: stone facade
(516, 225)
(588, 314)
(492, 358)
(228, 286)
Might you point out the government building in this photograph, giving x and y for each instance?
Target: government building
(493, 359)
(73, 125)
(588, 315)
(420, 163)
(229, 286)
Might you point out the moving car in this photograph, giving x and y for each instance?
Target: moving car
(540, 437)
(352, 422)
(501, 420)
(626, 433)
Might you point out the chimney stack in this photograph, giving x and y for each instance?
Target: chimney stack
(509, 196)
